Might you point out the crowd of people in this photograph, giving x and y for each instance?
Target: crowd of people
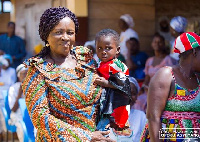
(107, 90)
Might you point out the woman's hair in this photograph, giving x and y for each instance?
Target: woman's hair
(165, 49)
(49, 19)
(134, 39)
(185, 54)
(108, 32)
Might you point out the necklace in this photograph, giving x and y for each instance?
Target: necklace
(184, 74)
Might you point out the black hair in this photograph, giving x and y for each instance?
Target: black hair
(185, 54)
(108, 32)
(49, 19)
(11, 23)
(134, 39)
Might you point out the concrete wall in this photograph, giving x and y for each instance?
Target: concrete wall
(105, 14)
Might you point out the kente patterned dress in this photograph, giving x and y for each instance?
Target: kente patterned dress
(181, 117)
(63, 103)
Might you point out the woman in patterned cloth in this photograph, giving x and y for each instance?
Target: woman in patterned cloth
(173, 97)
(61, 97)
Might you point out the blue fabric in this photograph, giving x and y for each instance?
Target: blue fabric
(101, 126)
(7, 56)
(140, 60)
(13, 46)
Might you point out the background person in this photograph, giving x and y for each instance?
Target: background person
(126, 24)
(159, 60)
(136, 59)
(12, 45)
(61, 96)
(173, 96)
(177, 27)
(137, 118)
(14, 94)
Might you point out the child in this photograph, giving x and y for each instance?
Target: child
(114, 102)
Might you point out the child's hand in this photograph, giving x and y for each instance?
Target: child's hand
(102, 81)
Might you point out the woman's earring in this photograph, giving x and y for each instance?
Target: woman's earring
(47, 44)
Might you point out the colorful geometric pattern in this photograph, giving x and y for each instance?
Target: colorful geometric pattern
(186, 41)
(62, 103)
(181, 116)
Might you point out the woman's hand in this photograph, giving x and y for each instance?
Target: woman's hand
(99, 136)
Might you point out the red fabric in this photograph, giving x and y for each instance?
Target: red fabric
(104, 69)
(185, 41)
(120, 115)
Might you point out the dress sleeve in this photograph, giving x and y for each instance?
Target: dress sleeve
(48, 126)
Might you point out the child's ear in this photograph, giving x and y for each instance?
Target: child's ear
(118, 50)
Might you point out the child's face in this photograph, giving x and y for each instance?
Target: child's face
(106, 48)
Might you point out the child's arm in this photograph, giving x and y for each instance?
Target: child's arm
(104, 83)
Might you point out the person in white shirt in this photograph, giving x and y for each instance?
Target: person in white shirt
(137, 117)
(7, 73)
(7, 78)
(126, 24)
(14, 94)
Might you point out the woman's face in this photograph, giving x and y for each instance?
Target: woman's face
(157, 44)
(62, 38)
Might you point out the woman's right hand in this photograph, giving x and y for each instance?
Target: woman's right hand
(99, 136)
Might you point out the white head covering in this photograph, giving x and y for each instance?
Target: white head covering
(20, 68)
(3, 61)
(91, 43)
(179, 24)
(128, 19)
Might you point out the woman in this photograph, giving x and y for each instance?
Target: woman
(161, 59)
(173, 97)
(177, 27)
(126, 24)
(61, 96)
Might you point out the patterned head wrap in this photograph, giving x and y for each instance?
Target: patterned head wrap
(178, 24)
(186, 41)
(128, 19)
